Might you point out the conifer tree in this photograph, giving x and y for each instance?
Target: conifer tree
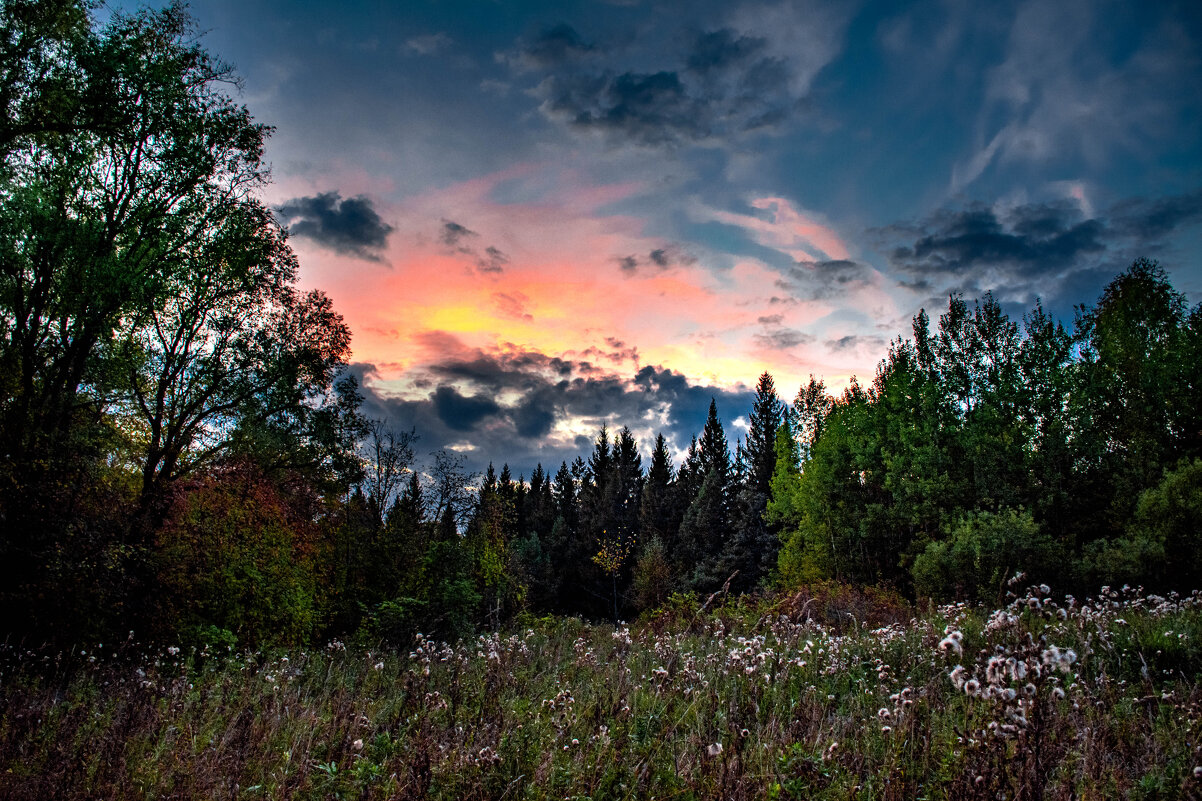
(705, 528)
(764, 421)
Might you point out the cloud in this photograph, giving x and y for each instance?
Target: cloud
(722, 50)
(1025, 241)
(825, 279)
(1150, 220)
(1060, 94)
(453, 233)
(782, 339)
(551, 48)
(459, 412)
(648, 108)
(513, 304)
(350, 226)
(854, 342)
(798, 235)
(751, 74)
(493, 260)
(428, 44)
(524, 406)
(657, 259)
(1034, 247)
(458, 237)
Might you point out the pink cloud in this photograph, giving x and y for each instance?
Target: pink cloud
(559, 288)
(800, 235)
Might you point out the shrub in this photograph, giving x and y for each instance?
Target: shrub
(984, 550)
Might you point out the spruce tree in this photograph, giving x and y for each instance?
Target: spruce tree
(765, 419)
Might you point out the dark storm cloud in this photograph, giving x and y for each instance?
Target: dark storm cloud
(1050, 246)
(771, 319)
(1026, 241)
(723, 83)
(348, 226)
(544, 390)
(460, 412)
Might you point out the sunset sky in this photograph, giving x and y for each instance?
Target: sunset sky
(538, 218)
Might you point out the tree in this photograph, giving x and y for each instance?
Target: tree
(811, 407)
(764, 421)
(705, 529)
(103, 226)
(388, 455)
(148, 319)
(656, 508)
(1137, 407)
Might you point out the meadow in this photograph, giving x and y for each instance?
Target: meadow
(828, 693)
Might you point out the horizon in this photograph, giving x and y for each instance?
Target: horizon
(539, 218)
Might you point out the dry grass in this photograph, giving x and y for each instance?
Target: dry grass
(1055, 699)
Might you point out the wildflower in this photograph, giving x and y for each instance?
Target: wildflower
(1198, 771)
(883, 713)
(379, 666)
(357, 745)
(1058, 693)
(713, 749)
(886, 729)
(957, 676)
(972, 687)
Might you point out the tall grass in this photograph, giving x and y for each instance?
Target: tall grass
(786, 697)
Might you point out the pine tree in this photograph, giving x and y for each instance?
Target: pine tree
(706, 527)
(656, 518)
(767, 413)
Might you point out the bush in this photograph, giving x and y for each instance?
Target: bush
(982, 551)
(235, 554)
(1169, 515)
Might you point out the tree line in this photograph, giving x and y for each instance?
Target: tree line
(183, 452)
(984, 446)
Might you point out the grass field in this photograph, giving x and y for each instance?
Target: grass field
(829, 693)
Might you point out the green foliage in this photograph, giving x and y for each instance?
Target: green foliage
(981, 553)
(653, 577)
(916, 479)
(1162, 546)
(232, 555)
(150, 329)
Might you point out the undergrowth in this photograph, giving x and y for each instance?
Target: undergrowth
(825, 694)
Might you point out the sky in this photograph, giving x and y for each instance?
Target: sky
(538, 218)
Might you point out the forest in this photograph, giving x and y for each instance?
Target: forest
(185, 455)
